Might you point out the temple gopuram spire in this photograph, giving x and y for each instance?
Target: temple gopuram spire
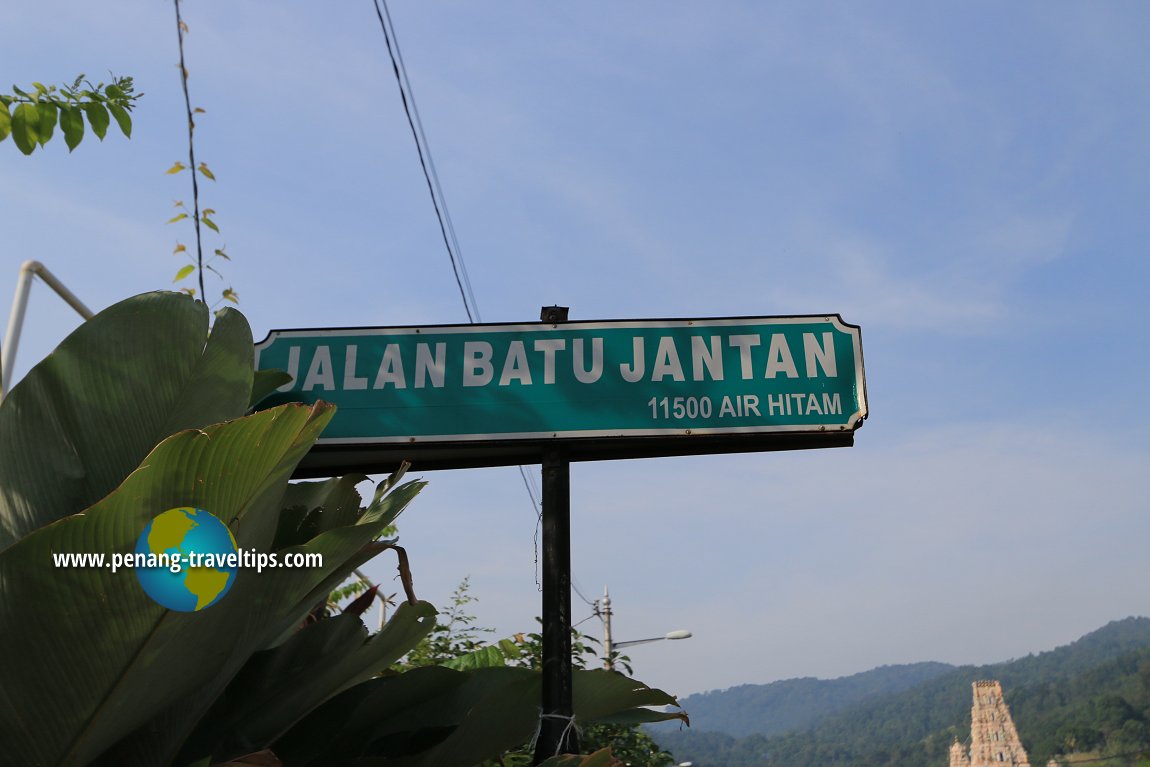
(994, 741)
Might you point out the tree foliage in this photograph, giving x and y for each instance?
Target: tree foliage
(1092, 696)
(30, 116)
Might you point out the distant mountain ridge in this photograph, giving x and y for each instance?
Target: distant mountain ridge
(793, 704)
(1091, 694)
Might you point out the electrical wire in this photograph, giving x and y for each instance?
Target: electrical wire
(592, 605)
(446, 226)
(409, 109)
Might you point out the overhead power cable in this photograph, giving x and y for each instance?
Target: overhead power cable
(446, 228)
(443, 215)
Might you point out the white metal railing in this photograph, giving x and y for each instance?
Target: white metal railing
(29, 270)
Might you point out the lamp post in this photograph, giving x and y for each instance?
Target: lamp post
(609, 645)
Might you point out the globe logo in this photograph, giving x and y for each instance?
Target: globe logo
(199, 548)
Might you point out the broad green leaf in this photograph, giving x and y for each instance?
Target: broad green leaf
(177, 217)
(311, 508)
(437, 717)
(97, 117)
(49, 114)
(134, 374)
(72, 123)
(109, 644)
(5, 120)
(279, 687)
(265, 382)
(114, 92)
(25, 128)
(342, 728)
(210, 224)
(277, 599)
(123, 119)
(184, 272)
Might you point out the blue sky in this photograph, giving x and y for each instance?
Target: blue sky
(967, 182)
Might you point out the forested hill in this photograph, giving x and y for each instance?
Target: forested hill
(793, 704)
(1091, 695)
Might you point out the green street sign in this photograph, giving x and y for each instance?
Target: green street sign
(663, 386)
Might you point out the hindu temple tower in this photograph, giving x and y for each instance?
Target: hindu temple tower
(994, 741)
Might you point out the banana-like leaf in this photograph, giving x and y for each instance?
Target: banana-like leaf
(84, 418)
(277, 601)
(278, 687)
(438, 717)
(311, 508)
(114, 657)
(264, 382)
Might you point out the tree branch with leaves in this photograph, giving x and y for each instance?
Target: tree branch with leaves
(31, 116)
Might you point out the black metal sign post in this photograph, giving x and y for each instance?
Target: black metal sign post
(556, 730)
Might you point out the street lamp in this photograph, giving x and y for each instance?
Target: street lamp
(609, 646)
(677, 634)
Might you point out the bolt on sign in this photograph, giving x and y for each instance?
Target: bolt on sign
(475, 395)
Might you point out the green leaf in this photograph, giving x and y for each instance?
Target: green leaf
(98, 118)
(123, 119)
(90, 427)
(72, 123)
(277, 599)
(485, 657)
(230, 295)
(311, 508)
(237, 470)
(210, 224)
(5, 120)
(204, 169)
(177, 217)
(113, 92)
(184, 272)
(446, 718)
(279, 687)
(25, 126)
(49, 114)
(265, 382)
(176, 168)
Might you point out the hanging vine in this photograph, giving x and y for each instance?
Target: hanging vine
(200, 218)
